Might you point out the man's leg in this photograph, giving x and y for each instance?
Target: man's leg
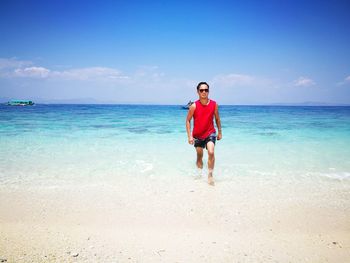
(211, 162)
(199, 157)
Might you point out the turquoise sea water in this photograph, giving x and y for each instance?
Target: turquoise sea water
(62, 144)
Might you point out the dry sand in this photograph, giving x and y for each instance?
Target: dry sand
(151, 220)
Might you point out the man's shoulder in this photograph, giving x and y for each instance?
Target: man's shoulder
(193, 106)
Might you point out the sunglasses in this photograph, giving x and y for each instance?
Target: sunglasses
(203, 90)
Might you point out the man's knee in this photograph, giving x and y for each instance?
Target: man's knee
(210, 148)
(211, 154)
(199, 153)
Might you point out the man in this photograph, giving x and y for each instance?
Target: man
(204, 133)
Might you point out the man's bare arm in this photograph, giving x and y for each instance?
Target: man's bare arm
(218, 121)
(188, 122)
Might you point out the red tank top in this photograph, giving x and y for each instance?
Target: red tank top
(203, 120)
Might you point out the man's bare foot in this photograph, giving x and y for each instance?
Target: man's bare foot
(211, 180)
(198, 174)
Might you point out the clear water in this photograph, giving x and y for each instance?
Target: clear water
(68, 144)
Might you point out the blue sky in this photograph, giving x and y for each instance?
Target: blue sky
(250, 52)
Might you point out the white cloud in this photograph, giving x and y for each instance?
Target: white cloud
(344, 82)
(32, 72)
(13, 68)
(303, 82)
(144, 75)
(10, 63)
(90, 73)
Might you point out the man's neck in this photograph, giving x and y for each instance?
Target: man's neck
(204, 101)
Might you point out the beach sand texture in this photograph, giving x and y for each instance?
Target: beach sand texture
(152, 220)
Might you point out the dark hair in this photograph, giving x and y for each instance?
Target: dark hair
(202, 83)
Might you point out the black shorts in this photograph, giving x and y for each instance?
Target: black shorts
(203, 142)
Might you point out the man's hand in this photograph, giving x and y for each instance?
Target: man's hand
(219, 137)
(190, 140)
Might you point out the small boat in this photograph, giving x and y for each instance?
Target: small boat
(188, 105)
(20, 103)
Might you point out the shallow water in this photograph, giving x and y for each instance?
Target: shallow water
(67, 144)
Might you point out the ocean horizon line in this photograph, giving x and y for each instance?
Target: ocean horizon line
(92, 101)
(175, 104)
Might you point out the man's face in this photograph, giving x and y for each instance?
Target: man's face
(203, 91)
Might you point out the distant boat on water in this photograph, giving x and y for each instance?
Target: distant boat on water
(188, 105)
(20, 103)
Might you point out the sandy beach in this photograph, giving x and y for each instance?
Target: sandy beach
(150, 220)
(104, 106)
